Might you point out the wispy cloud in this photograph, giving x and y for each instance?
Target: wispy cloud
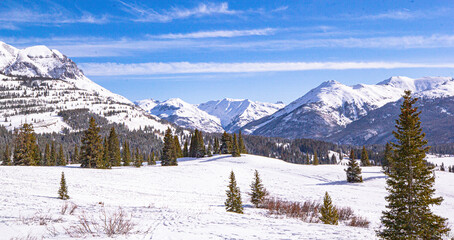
(116, 69)
(406, 14)
(220, 33)
(144, 14)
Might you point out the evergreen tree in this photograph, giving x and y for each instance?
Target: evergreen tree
(47, 156)
(138, 161)
(91, 149)
(210, 150)
(226, 143)
(25, 147)
(113, 146)
(386, 163)
(308, 159)
(63, 191)
(353, 170)
(442, 167)
(177, 147)
(236, 148)
(328, 211)
(6, 157)
(410, 183)
(76, 154)
(258, 191)
(61, 160)
(126, 154)
(185, 149)
(241, 143)
(104, 162)
(233, 202)
(197, 147)
(365, 157)
(53, 154)
(168, 157)
(315, 162)
(333, 159)
(153, 158)
(216, 146)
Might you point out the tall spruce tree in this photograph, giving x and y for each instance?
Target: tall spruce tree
(258, 191)
(63, 191)
(25, 147)
(209, 150)
(91, 149)
(6, 156)
(61, 160)
(386, 163)
(139, 159)
(241, 143)
(315, 162)
(47, 158)
(329, 214)
(76, 154)
(410, 183)
(235, 148)
(104, 162)
(216, 146)
(186, 149)
(226, 143)
(233, 202)
(53, 154)
(365, 157)
(126, 154)
(113, 148)
(353, 170)
(177, 146)
(168, 157)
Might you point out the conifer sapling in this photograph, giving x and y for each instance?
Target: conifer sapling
(63, 191)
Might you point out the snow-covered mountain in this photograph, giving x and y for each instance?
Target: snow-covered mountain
(38, 84)
(213, 116)
(235, 113)
(182, 113)
(332, 106)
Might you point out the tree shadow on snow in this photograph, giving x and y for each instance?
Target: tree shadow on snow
(216, 158)
(344, 182)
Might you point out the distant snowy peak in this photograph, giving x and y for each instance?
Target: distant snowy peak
(182, 113)
(235, 113)
(36, 61)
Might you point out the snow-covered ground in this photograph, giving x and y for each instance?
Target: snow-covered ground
(187, 202)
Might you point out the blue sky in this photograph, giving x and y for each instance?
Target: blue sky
(260, 50)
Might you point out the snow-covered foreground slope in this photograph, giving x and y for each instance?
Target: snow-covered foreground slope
(187, 201)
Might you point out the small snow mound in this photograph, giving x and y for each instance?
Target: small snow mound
(37, 51)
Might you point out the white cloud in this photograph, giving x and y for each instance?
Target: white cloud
(220, 33)
(116, 69)
(145, 14)
(406, 14)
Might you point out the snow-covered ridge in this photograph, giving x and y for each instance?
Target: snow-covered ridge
(37, 83)
(213, 116)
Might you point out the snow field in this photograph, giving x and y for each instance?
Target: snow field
(187, 201)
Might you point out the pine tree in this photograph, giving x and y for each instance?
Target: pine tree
(197, 147)
(241, 143)
(410, 183)
(315, 162)
(63, 191)
(104, 162)
(47, 156)
(92, 149)
(76, 154)
(233, 202)
(6, 157)
(226, 143)
(185, 149)
(113, 145)
(138, 161)
(210, 150)
(61, 160)
(53, 154)
(386, 163)
(308, 159)
(168, 157)
(216, 146)
(353, 170)
(328, 211)
(177, 147)
(365, 157)
(126, 154)
(25, 147)
(153, 158)
(235, 148)
(258, 191)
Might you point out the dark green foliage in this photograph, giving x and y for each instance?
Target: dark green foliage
(63, 191)
(233, 202)
(178, 150)
(92, 150)
(53, 154)
(410, 183)
(226, 143)
(365, 157)
(47, 156)
(353, 170)
(333, 159)
(235, 148)
(169, 155)
(61, 160)
(241, 143)
(209, 150)
(139, 159)
(197, 147)
(386, 163)
(152, 159)
(186, 149)
(113, 148)
(75, 155)
(258, 191)
(328, 211)
(315, 162)
(126, 154)
(26, 149)
(105, 163)
(6, 156)
(216, 147)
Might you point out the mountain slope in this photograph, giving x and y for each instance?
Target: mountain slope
(332, 106)
(182, 113)
(38, 83)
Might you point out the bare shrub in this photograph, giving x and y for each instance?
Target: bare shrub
(345, 213)
(357, 221)
(28, 237)
(72, 208)
(40, 219)
(64, 208)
